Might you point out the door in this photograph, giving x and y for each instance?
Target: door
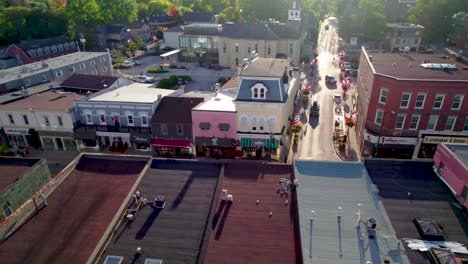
(59, 143)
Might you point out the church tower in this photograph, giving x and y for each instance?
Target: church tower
(295, 10)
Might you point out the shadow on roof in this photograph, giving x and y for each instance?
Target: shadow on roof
(335, 170)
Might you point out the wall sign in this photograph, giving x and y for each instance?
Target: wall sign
(258, 142)
(437, 140)
(399, 140)
(16, 131)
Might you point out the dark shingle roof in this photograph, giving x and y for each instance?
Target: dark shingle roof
(111, 29)
(160, 18)
(38, 43)
(175, 110)
(274, 94)
(286, 31)
(190, 17)
(136, 24)
(264, 31)
(91, 82)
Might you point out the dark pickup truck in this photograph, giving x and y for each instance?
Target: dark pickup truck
(314, 109)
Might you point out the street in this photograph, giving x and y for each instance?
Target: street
(317, 141)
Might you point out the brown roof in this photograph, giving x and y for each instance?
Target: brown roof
(13, 169)
(408, 66)
(243, 232)
(48, 100)
(175, 110)
(232, 83)
(86, 81)
(266, 67)
(79, 211)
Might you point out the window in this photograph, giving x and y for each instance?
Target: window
(73, 69)
(450, 123)
(89, 118)
(59, 73)
(46, 121)
(224, 47)
(405, 99)
(400, 121)
(164, 129)
(379, 116)
(383, 96)
(94, 72)
(243, 123)
(420, 101)
(43, 78)
(130, 120)
(290, 48)
(272, 124)
(82, 66)
(465, 125)
(269, 49)
(237, 61)
(27, 82)
(432, 122)
(93, 63)
(256, 47)
(249, 49)
(144, 120)
(414, 122)
(457, 102)
(102, 119)
(60, 120)
(261, 124)
(104, 68)
(237, 47)
(262, 93)
(25, 119)
(223, 126)
(254, 123)
(10, 118)
(103, 59)
(205, 126)
(180, 129)
(438, 101)
(255, 93)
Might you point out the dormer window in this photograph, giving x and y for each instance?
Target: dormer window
(259, 91)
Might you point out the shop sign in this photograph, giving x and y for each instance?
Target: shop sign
(437, 140)
(16, 131)
(370, 138)
(399, 140)
(140, 138)
(258, 142)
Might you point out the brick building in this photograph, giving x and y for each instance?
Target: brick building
(408, 103)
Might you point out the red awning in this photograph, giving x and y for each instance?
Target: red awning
(176, 143)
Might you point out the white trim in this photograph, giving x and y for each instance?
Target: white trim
(409, 99)
(461, 102)
(402, 123)
(423, 102)
(380, 96)
(377, 114)
(441, 103)
(453, 124)
(417, 124)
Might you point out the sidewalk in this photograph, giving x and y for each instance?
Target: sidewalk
(352, 151)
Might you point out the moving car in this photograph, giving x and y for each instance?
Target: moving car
(143, 79)
(337, 98)
(314, 109)
(330, 79)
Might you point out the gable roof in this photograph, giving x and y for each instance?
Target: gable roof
(325, 187)
(111, 29)
(135, 24)
(38, 43)
(48, 100)
(175, 110)
(88, 81)
(263, 31)
(198, 16)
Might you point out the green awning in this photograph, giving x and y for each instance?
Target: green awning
(271, 143)
(246, 142)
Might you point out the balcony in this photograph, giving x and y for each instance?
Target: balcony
(112, 128)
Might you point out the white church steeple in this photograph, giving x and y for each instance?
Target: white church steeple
(295, 10)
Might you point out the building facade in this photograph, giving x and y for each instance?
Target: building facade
(401, 36)
(44, 120)
(117, 119)
(265, 104)
(402, 98)
(451, 165)
(172, 127)
(55, 70)
(112, 36)
(215, 127)
(140, 30)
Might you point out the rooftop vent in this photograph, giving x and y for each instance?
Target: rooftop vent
(439, 66)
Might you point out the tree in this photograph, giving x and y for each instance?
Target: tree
(159, 6)
(83, 12)
(373, 20)
(118, 11)
(210, 5)
(253, 10)
(229, 14)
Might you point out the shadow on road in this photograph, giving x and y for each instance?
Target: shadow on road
(314, 122)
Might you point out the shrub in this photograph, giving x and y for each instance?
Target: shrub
(222, 80)
(186, 78)
(165, 84)
(156, 70)
(172, 66)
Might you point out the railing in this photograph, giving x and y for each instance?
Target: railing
(113, 128)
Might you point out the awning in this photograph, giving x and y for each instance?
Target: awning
(246, 142)
(271, 143)
(176, 143)
(251, 142)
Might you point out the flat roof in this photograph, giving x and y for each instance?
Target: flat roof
(403, 25)
(266, 67)
(53, 63)
(324, 187)
(429, 198)
(408, 66)
(48, 100)
(243, 232)
(13, 169)
(79, 211)
(173, 234)
(461, 151)
(133, 93)
(219, 103)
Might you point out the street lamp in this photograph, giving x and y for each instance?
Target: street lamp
(380, 132)
(83, 41)
(312, 218)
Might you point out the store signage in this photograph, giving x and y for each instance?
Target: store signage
(16, 131)
(141, 138)
(259, 142)
(399, 140)
(370, 138)
(453, 140)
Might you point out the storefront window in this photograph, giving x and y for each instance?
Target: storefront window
(89, 142)
(142, 146)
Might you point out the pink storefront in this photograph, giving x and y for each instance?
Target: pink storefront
(451, 165)
(215, 127)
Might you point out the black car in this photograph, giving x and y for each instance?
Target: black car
(330, 79)
(314, 109)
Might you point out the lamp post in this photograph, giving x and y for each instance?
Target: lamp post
(83, 41)
(312, 218)
(380, 132)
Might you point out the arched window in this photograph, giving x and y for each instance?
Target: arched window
(255, 93)
(262, 93)
(259, 91)
(243, 123)
(254, 123)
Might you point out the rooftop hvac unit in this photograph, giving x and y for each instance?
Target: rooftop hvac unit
(371, 224)
(160, 201)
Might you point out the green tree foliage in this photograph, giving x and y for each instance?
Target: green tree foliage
(159, 6)
(373, 20)
(229, 14)
(209, 5)
(118, 11)
(83, 12)
(253, 10)
(435, 16)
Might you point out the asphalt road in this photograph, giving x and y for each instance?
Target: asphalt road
(317, 136)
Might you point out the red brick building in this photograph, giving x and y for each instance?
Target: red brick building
(407, 103)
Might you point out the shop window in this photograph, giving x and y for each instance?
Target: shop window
(89, 142)
(420, 101)
(400, 121)
(414, 122)
(457, 102)
(223, 126)
(383, 96)
(10, 118)
(432, 122)
(205, 126)
(405, 99)
(25, 119)
(167, 150)
(164, 129)
(450, 123)
(180, 129)
(438, 101)
(379, 117)
(60, 121)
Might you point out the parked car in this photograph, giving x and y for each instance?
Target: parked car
(347, 64)
(327, 27)
(136, 62)
(144, 79)
(315, 109)
(330, 79)
(127, 64)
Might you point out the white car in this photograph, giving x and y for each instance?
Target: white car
(143, 79)
(347, 64)
(127, 64)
